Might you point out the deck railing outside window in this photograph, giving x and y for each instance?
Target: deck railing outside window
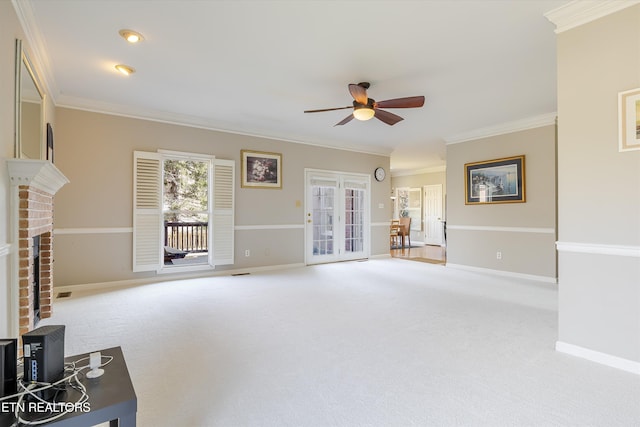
(187, 236)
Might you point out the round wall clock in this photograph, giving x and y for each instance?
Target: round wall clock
(380, 174)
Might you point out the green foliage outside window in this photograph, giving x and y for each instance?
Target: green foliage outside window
(186, 190)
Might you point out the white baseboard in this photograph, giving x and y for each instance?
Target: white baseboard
(596, 356)
(380, 256)
(166, 278)
(545, 279)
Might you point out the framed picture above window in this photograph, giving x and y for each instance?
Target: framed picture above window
(261, 169)
(495, 181)
(629, 120)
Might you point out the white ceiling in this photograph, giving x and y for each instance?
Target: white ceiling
(253, 66)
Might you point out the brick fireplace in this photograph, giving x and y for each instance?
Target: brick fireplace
(34, 183)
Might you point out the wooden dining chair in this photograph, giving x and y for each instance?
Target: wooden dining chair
(394, 233)
(405, 230)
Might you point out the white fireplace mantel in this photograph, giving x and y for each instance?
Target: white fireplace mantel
(40, 174)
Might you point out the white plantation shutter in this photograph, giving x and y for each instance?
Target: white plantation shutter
(147, 211)
(223, 212)
(148, 218)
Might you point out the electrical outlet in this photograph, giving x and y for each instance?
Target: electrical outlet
(498, 255)
(247, 253)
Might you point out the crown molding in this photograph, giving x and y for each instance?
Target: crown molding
(37, 46)
(100, 107)
(510, 127)
(577, 13)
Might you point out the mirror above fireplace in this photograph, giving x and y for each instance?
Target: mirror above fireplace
(29, 108)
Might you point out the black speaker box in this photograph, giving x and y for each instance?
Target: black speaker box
(8, 366)
(44, 354)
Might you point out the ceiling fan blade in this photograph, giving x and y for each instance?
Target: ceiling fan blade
(408, 102)
(328, 109)
(359, 93)
(387, 117)
(345, 120)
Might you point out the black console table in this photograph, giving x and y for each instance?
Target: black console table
(111, 396)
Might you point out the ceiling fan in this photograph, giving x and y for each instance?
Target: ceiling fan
(365, 108)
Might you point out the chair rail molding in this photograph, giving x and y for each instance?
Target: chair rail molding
(599, 249)
(93, 230)
(541, 230)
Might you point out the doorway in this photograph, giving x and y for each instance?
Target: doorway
(433, 218)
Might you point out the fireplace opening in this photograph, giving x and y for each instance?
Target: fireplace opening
(36, 280)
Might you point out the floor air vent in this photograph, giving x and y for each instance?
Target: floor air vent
(63, 295)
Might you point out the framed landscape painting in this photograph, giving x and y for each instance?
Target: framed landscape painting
(261, 169)
(629, 120)
(495, 181)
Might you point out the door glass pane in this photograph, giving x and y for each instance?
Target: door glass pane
(354, 220)
(186, 212)
(322, 220)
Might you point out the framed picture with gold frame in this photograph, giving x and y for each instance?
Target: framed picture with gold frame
(629, 120)
(261, 169)
(495, 181)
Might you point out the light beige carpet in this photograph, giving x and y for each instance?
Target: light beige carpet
(378, 343)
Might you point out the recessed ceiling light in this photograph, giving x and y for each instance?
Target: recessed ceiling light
(125, 69)
(131, 36)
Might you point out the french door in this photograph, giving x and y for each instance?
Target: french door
(336, 216)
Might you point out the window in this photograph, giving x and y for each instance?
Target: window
(183, 211)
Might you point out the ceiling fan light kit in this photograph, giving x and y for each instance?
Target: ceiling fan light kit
(365, 108)
(363, 113)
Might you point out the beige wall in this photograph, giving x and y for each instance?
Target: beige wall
(10, 30)
(599, 188)
(95, 151)
(523, 232)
